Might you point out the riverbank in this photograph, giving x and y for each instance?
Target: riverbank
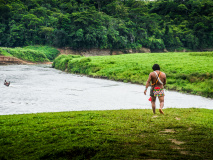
(28, 55)
(117, 134)
(190, 72)
(6, 60)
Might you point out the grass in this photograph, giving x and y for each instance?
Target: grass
(3, 51)
(26, 54)
(117, 134)
(50, 52)
(31, 53)
(186, 72)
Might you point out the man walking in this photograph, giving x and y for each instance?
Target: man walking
(158, 80)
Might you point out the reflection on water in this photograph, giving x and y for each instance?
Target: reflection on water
(40, 88)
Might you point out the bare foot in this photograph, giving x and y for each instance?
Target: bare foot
(161, 111)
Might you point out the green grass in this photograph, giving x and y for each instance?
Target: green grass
(186, 72)
(31, 53)
(3, 51)
(50, 52)
(26, 54)
(117, 134)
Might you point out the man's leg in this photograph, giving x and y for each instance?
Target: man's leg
(153, 104)
(161, 99)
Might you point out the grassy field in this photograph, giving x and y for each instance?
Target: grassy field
(190, 72)
(119, 134)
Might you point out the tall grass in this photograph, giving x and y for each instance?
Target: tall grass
(50, 52)
(186, 72)
(4, 52)
(26, 54)
(31, 53)
(124, 134)
(61, 61)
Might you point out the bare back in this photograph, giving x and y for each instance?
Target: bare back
(153, 78)
(157, 79)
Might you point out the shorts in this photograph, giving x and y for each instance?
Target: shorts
(158, 92)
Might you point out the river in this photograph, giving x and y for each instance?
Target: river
(40, 88)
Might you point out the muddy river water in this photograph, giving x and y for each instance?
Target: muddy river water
(40, 88)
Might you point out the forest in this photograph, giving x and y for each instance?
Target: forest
(111, 24)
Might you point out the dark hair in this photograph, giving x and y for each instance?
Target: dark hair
(156, 67)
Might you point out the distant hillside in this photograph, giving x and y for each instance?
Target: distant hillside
(111, 24)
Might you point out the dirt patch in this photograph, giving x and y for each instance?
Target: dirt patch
(176, 142)
(184, 152)
(189, 129)
(155, 116)
(181, 150)
(5, 60)
(101, 52)
(153, 150)
(85, 52)
(176, 147)
(168, 131)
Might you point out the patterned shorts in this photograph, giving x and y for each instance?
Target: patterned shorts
(158, 92)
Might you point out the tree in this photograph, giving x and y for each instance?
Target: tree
(3, 35)
(46, 34)
(4, 12)
(16, 34)
(107, 24)
(60, 38)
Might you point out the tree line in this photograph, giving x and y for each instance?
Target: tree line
(111, 24)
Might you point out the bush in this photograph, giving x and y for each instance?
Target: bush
(50, 52)
(28, 55)
(4, 51)
(84, 60)
(61, 62)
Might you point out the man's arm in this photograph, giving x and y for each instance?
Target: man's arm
(148, 83)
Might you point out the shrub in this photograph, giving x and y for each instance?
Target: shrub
(28, 55)
(84, 60)
(61, 62)
(50, 52)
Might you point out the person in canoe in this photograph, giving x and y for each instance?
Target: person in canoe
(6, 83)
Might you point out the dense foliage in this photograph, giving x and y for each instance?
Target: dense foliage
(187, 72)
(50, 52)
(112, 24)
(27, 54)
